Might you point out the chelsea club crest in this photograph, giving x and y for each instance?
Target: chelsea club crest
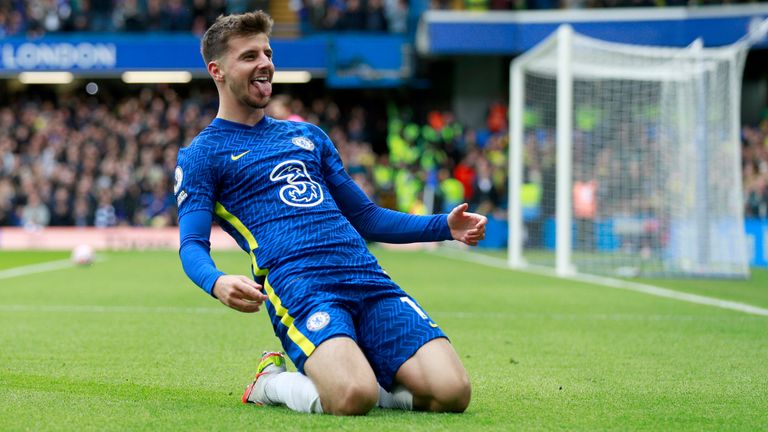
(318, 320)
(304, 143)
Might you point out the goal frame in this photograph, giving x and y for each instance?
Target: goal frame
(562, 41)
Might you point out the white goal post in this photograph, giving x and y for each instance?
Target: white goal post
(625, 160)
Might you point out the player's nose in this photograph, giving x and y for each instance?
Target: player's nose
(264, 61)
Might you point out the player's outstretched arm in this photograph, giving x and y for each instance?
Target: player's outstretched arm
(466, 227)
(239, 292)
(379, 224)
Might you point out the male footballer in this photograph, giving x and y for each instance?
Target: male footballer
(280, 190)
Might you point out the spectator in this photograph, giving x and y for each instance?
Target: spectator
(7, 198)
(129, 17)
(397, 15)
(241, 6)
(48, 15)
(486, 196)
(105, 216)
(61, 214)
(313, 15)
(35, 214)
(451, 191)
(155, 17)
(82, 213)
(376, 19)
(353, 18)
(176, 16)
(100, 16)
(157, 205)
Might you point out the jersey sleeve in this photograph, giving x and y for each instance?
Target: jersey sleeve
(371, 221)
(383, 225)
(194, 180)
(333, 168)
(195, 249)
(195, 190)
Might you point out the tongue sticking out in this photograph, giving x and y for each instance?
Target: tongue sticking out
(264, 87)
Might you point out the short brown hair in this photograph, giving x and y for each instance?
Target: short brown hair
(215, 40)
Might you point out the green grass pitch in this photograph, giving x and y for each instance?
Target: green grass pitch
(131, 344)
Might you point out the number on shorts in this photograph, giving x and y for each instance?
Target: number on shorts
(414, 306)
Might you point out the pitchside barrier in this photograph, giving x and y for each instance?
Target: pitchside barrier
(616, 235)
(131, 238)
(122, 238)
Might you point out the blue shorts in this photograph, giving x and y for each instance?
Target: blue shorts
(385, 322)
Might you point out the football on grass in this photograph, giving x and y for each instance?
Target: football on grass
(82, 255)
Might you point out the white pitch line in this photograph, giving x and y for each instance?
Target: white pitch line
(97, 309)
(35, 268)
(42, 267)
(579, 317)
(111, 309)
(610, 282)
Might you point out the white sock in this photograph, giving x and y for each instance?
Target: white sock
(400, 398)
(295, 390)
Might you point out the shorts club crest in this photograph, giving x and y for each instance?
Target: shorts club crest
(318, 320)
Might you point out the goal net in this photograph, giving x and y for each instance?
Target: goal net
(625, 159)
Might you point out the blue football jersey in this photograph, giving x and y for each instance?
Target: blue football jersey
(267, 186)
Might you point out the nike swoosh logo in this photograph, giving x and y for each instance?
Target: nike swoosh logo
(234, 158)
(433, 325)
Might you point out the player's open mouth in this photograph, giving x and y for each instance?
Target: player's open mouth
(262, 85)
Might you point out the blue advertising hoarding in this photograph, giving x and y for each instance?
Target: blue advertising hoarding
(510, 33)
(89, 53)
(348, 60)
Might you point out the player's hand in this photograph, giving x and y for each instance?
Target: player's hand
(466, 227)
(239, 292)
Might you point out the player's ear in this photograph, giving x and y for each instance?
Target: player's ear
(214, 69)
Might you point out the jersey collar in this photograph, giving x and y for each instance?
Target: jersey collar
(227, 124)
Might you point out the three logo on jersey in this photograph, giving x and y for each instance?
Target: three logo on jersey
(300, 190)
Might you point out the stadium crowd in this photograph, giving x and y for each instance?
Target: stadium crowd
(78, 162)
(485, 5)
(354, 15)
(755, 169)
(36, 17)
